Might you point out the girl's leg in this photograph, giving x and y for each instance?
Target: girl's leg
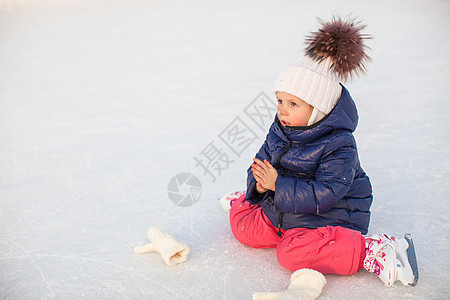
(250, 225)
(329, 250)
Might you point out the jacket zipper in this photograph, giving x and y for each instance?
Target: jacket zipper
(284, 152)
(280, 224)
(280, 217)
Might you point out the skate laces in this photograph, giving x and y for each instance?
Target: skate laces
(228, 199)
(234, 196)
(376, 247)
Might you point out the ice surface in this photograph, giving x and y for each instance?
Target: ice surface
(103, 102)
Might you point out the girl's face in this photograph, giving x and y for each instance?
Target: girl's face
(292, 111)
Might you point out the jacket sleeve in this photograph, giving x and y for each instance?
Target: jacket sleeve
(333, 178)
(252, 194)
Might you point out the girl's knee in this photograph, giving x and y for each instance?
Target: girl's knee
(239, 232)
(250, 227)
(253, 232)
(293, 256)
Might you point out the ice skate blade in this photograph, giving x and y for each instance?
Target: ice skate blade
(406, 270)
(412, 259)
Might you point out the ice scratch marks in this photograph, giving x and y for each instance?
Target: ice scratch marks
(116, 266)
(31, 258)
(191, 227)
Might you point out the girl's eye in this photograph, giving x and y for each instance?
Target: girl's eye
(293, 104)
(280, 101)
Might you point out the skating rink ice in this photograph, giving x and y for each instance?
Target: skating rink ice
(103, 102)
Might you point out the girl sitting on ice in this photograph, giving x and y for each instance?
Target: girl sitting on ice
(307, 195)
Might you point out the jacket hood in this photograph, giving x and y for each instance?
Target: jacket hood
(344, 116)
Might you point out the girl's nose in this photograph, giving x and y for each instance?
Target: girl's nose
(282, 110)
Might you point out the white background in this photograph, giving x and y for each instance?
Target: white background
(103, 102)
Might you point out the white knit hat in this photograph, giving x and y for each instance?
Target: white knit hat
(313, 82)
(335, 52)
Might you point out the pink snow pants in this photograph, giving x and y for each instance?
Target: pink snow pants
(329, 250)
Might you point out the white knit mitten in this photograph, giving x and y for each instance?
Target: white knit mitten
(305, 284)
(172, 251)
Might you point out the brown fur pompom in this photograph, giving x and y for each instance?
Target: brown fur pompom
(341, 41)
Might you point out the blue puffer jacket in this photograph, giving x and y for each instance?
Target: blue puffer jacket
(320, 181)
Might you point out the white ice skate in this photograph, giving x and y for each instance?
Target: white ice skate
(392, 259)
(230, 197)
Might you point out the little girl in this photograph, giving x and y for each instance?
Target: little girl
(307, 195)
